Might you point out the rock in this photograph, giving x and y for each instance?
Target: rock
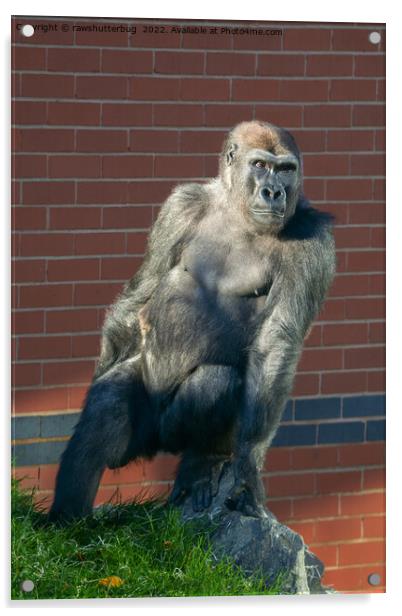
(260, 544)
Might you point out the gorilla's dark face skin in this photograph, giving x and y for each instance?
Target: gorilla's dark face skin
(273, 182)
(200, 350)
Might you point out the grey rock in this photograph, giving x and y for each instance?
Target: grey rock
(259, 545)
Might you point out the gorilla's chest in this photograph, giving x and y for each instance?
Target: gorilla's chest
(227, 265)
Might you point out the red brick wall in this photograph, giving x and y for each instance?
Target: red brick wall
(104, 125)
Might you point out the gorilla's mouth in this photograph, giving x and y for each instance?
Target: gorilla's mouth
(273, 210)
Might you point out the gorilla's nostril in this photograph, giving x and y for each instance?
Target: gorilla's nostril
(266, 193)
(277, 194)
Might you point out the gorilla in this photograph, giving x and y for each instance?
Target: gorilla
(200, 350)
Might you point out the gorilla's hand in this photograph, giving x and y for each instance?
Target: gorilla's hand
(244, 499)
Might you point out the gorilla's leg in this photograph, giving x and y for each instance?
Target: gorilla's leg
(116, 425)
(200, 421)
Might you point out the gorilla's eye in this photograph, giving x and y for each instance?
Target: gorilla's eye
(260, 164)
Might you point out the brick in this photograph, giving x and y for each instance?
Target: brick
(316, 507)
(163, 467)
(277, 65)
(328, 554)
(352, 40)
(28, 112)
(149, 192)
(320, 359)
(313, 337)
(119, 268)
(52, 193)
(154, 141)
(325, 164)
(339, 482)
(277, 460)
(366, 308)
(28, 270)
(222, 115)
(126, 61)
(379, 189)
(363, 504)
(101, 141)
(75, 218)
(306, 39)
(47, 86)
(376, 380)
(73, 60)
(341, 334)
(76, 397)
(286, 485)
(44, 347)
(74, 114)
(46, 140)
(40, 400)
(367, 164)
(28, 166)
(329, 65)
(41, 244)
(256, 90)
(364, 454)
(179, 63)
(315, 189)
(25, 375)
(314, 457)
(374, 479)
(364, 406)
(327, 115)
(374, 527)
(68, 373)
(71, 320)
(258, 43)
(28, 476)
(306, 90)
(72, 269)
(127, 217)
(203, 89)
(29, 218)
(352, 89)
(127, 474)
(45, 295)
(230, 64)
(74, 166)
(86, 346)
(343, 579)
(295, 435)
(305, 385)
(58, 425)
(101, 87)
(365, 357)
(310, 140)
(101, 192)
(127, 166)
(155, 39)
(179, 166)
(280, 508)
(205, 142)
(99, 243)
(28, 322)
(321, 408)
(350, 140)
(126, 114)
(100, 37)
(348, 189)
(337, 530)
(378, 237)
(206, 40)
(154, 88)
(367, 261)
(376, 430)
(362, 553)
(380, 140)
(95, 294)
(136, 243)
(28, 58)
(178, 115)
(368, 115)
(288, 115)
(352, 237)
(305, 529)
(367, 213)
(341, 432)
(377, 332)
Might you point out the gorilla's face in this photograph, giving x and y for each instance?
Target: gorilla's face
(272, 183)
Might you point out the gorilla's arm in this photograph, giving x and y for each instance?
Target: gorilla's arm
(294, 300)
(177, 219)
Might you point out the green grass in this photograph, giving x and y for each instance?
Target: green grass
(145, 545)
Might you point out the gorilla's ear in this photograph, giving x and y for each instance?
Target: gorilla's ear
(230, 153)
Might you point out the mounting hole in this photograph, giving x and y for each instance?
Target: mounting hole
(27, 586)
(374, 37)
(27, 30)
(374, 579)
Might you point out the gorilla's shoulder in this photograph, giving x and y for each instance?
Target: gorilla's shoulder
(190, 194)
